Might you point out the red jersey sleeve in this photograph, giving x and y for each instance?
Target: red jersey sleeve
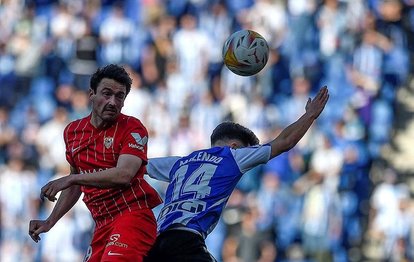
(68, 151)
(135, 140)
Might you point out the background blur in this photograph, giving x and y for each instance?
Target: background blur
(344, 193)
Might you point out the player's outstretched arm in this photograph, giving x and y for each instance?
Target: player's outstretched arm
(66, 201)
(292, 134)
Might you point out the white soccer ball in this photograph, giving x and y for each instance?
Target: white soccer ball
(245, 52)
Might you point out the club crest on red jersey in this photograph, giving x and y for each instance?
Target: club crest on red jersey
(108, 142)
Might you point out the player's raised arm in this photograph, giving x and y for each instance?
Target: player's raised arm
(292, 134)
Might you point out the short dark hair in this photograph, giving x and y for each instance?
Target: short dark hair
(231, 130)
(114, 72)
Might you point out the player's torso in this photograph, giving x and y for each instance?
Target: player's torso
(199, 189)
(90, 150)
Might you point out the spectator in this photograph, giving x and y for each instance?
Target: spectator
(115, 32)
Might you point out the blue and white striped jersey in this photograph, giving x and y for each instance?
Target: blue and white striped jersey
(201, 184)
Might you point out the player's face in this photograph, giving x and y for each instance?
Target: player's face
(108, 100)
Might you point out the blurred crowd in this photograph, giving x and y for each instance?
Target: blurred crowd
(333, 197)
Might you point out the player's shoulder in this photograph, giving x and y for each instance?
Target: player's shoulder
(75, 124)
(129, 120)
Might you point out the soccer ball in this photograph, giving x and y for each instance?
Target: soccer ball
(245, 52)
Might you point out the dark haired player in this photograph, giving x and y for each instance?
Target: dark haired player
(107, 152)
(201, 183)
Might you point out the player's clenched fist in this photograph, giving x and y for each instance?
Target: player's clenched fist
(53, 187)
(36, 227)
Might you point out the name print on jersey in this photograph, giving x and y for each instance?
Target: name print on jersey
(91, 170)
(202, 156)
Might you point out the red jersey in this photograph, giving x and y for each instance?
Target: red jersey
(90, 150)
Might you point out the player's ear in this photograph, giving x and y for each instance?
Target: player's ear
(91, 94)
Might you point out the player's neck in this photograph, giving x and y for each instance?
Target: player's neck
(233, 143)
(99, 123)
(220, 143)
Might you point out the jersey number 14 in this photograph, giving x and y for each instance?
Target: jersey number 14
(195, 183)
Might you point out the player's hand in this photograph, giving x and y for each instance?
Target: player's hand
(315, 106)
(36, 227)
(50, 190)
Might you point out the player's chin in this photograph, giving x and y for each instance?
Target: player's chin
(110, 116)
